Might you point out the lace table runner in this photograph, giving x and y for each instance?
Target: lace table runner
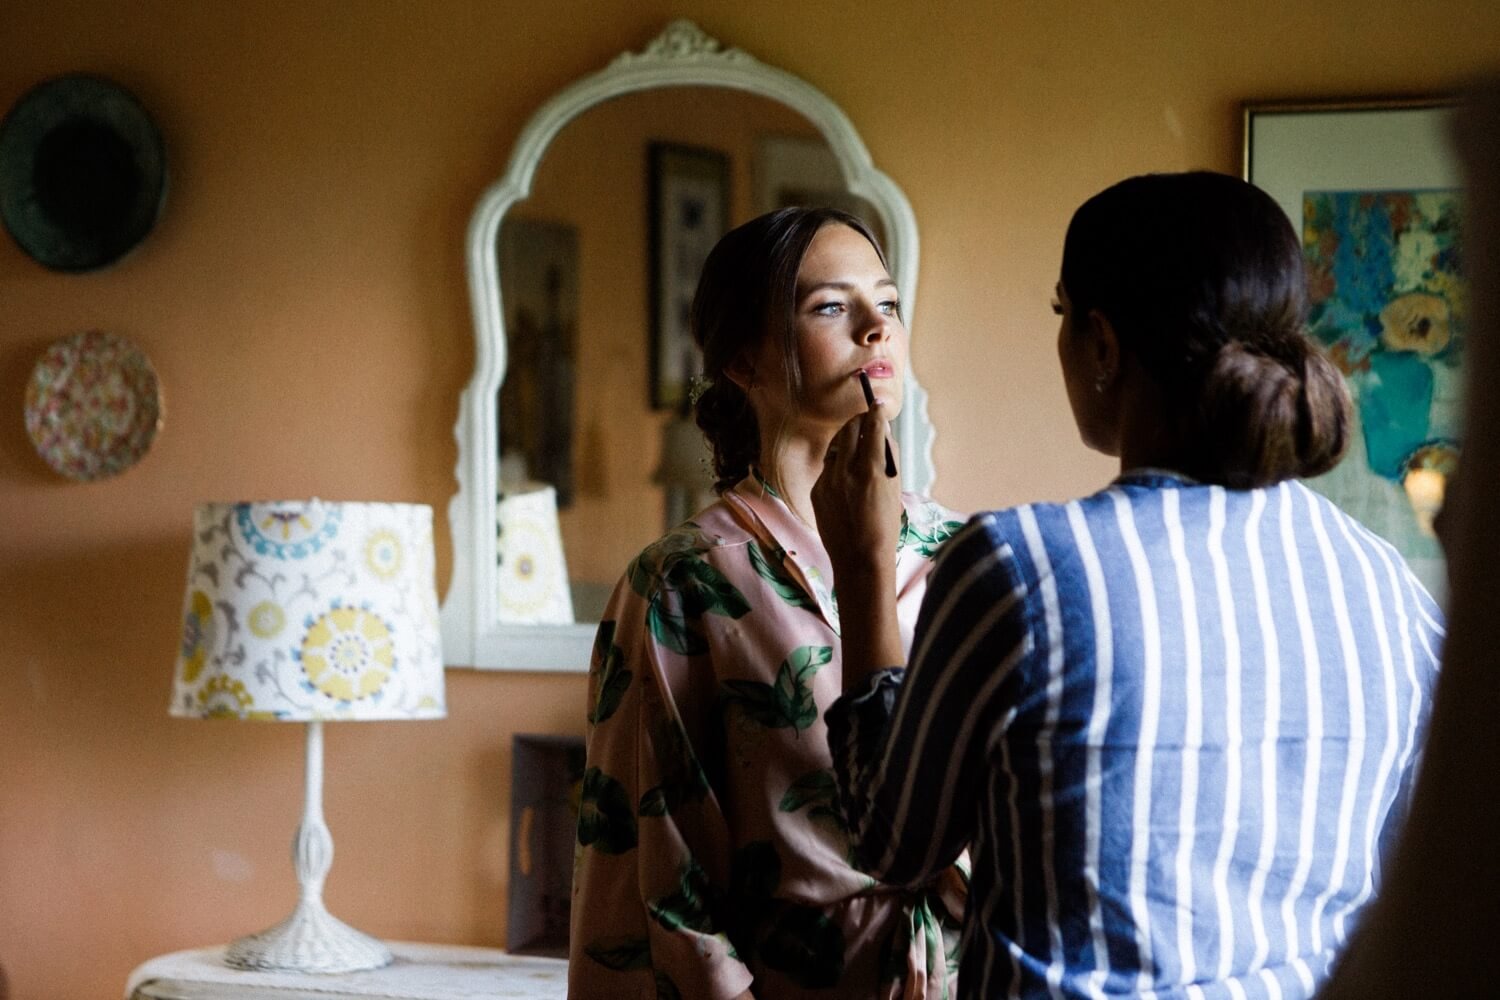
(420, 972)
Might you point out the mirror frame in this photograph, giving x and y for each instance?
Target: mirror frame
(681, 56)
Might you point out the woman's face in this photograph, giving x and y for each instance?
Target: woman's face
(1080, 371)
(848, 320)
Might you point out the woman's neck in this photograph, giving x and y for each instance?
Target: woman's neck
(792, 468)
(1148, 435)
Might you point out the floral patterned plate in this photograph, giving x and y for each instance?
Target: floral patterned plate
(93, 405)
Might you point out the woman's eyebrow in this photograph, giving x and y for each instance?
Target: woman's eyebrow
(840, 286)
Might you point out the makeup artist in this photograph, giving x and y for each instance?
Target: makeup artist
(713, 858)
(1172, 720)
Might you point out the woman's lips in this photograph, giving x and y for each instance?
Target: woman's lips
(879, 369)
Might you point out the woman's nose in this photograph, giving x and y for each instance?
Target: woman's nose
(875, 328)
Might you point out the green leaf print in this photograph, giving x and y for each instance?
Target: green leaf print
(925, 541)
(927, 925)
(806, 947)
(670, 629)
(622, 954)
(704, 590)
(700, 589)
(757, 701)
(646, 570)
(793, 692)
(683, 779)
(755, 872)
(690, 906)
(613, 679)
(774, 572)
(754, 876)
(789, 702)
(819, 787)
(605, 817)
(642, 574)
(820, 790)
(665, 988)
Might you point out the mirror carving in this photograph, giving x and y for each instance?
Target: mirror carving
(575, 448)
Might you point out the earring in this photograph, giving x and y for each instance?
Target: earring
(1100, 382)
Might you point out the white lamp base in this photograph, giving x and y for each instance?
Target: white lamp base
(310, 940)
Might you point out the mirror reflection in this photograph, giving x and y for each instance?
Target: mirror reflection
(598, 452)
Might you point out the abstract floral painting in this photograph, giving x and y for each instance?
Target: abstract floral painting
(1387, 301)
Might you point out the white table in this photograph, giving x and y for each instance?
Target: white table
(420, 972)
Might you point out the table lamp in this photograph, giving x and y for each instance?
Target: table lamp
(310, 611)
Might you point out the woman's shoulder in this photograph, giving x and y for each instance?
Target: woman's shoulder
(927, 524)
(713, 528)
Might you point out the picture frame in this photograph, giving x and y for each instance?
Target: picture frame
(688, 206)
(1372, 188)
(539, 279)
(803, 170)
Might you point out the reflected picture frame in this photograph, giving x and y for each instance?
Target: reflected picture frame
(802, 170)
(1372, 187)
(688, 206)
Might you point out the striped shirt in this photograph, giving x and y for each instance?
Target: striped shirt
(1171, 721)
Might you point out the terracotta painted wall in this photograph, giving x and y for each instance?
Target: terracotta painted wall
(304, 301)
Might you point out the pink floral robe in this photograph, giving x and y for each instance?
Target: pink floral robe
(712, 855)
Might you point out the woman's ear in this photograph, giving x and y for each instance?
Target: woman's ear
(1104, 345)
(741, 372)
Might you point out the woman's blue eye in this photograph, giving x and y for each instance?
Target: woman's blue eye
(891, 307)
(828, 308)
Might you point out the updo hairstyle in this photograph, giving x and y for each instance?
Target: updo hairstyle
(746, 293)
(1202, 278)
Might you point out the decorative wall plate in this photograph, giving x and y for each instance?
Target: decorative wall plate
(93, 405)
(82, 172)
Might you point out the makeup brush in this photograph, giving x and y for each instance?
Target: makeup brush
(890, 460)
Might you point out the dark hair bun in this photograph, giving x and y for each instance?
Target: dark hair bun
(724, 415)
(1273, 411)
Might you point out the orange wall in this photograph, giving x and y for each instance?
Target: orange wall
(304, 302)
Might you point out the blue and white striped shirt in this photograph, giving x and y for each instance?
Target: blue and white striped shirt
(1170, 721)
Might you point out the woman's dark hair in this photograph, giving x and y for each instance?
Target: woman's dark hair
(748, 292)
(1201, 276)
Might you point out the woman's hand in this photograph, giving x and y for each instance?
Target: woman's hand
(859, 518)
(857, 506)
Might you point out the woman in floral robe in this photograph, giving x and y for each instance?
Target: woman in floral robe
(712, 859)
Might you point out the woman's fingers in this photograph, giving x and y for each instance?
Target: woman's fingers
(845, 444)
(872, 439)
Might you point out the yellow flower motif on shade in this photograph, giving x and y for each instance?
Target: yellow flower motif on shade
(348, 654)
(195, 635)
(1416, 322)
(383, 553)
(267, 619)
(225, 698)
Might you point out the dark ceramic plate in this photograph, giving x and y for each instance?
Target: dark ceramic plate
(82, 172)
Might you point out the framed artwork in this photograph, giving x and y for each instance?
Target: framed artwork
(1372, 189)
(539, 289)
(689, 210)
(801, 170)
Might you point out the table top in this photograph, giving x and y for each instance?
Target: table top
(419, 972)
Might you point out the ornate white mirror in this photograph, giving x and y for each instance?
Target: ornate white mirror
(573, 452)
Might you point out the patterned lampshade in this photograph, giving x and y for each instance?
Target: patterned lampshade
(307, 610)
